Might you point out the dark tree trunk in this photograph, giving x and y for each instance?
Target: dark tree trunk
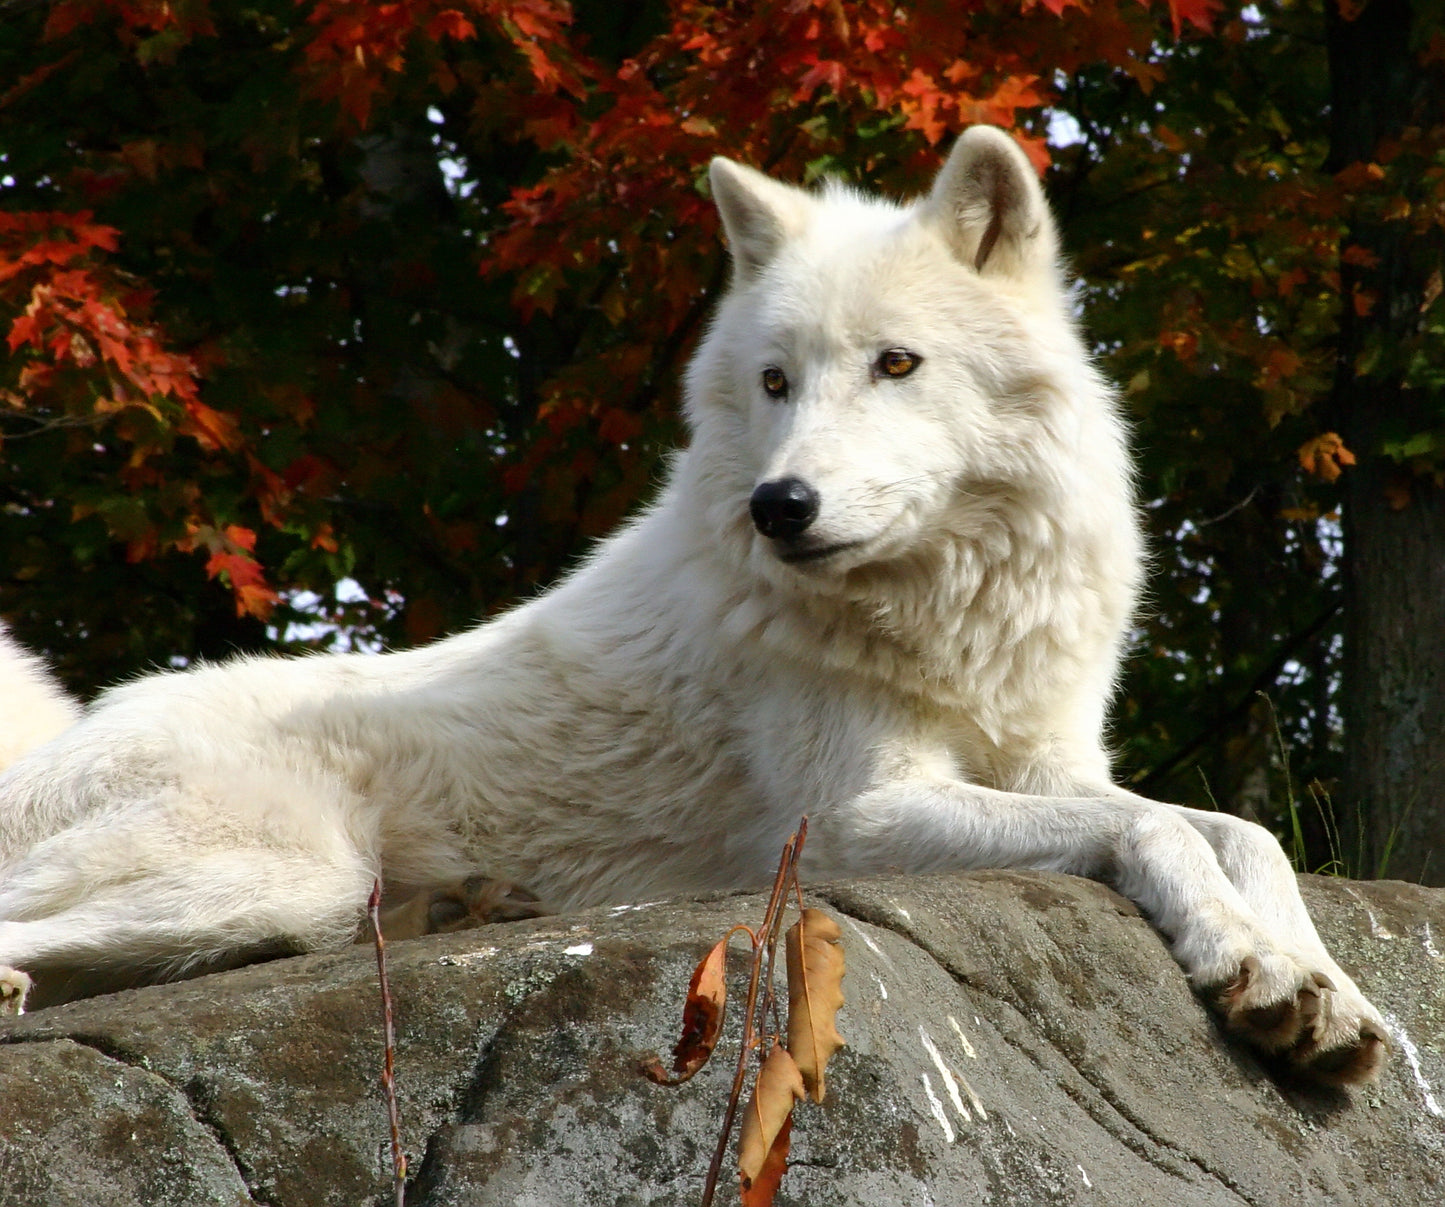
(1392, 807)
(1394, 681)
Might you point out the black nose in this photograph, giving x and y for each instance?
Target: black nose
(783, 509)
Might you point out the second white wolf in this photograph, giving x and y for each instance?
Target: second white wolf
(887, 585)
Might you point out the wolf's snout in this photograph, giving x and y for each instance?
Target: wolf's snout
(783, 508)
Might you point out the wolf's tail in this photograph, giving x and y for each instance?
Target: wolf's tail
(33, 707)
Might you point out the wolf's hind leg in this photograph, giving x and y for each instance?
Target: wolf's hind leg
(475, 901)
(207, 910)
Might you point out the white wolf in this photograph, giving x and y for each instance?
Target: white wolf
(886, 585)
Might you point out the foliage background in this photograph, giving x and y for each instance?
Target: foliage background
(395, 295)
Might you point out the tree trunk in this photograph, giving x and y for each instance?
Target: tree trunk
(1394, 680)
(1392, 809)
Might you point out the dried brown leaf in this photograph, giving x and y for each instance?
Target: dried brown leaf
(702, 1019)
(815, 995)
(760, 1191)
(779, 1086)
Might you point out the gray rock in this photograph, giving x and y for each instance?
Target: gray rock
(1013, 1038)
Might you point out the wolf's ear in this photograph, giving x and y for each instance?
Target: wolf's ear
(988, 204)
(758, 213)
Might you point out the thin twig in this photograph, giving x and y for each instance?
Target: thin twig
(388, 1082)
(790, 877)
(763, 940)
(1224, 515)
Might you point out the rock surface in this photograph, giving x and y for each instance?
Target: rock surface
(1014, 1038)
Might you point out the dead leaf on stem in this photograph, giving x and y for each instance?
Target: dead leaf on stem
(702, 1019)
(815, 995)
(764, 1186)
(768, 1116)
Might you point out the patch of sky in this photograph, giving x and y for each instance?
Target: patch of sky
(317, 628)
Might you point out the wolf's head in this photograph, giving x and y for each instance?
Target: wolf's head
(879, 379)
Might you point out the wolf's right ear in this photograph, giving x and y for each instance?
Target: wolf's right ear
(988, 204)
(758, 213)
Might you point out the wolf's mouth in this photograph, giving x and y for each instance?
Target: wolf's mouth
(814, 553)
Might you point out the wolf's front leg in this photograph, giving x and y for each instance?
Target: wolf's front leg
(1282, 994)
(1252, 859)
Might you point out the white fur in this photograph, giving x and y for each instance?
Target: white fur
(34, 707)
(932, 693)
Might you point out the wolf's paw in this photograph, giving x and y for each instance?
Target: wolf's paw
(1345, 1043)
(476, 901)
(1327, 1033)
(14, 985)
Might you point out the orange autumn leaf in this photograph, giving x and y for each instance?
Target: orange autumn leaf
(702, 1019)
(1198, 13)
(1360, 175)
(1289, 280)
(449, 23)
(255, 599)
(760, 1191)
(1280, 364)
(1184, 344)
(779, 1087)
(815, 995)
(1325, 456)
(213, 429)
(1434, 286)
(1362, 257)
(232, 562)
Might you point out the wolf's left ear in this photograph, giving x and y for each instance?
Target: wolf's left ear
(988, 204)
(758, 213)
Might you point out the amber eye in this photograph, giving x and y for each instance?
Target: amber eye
(897, 362)
(775, 382)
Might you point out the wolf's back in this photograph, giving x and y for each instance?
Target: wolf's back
(33, 707)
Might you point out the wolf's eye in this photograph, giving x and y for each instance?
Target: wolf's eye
(897, 362)
(775, 382)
